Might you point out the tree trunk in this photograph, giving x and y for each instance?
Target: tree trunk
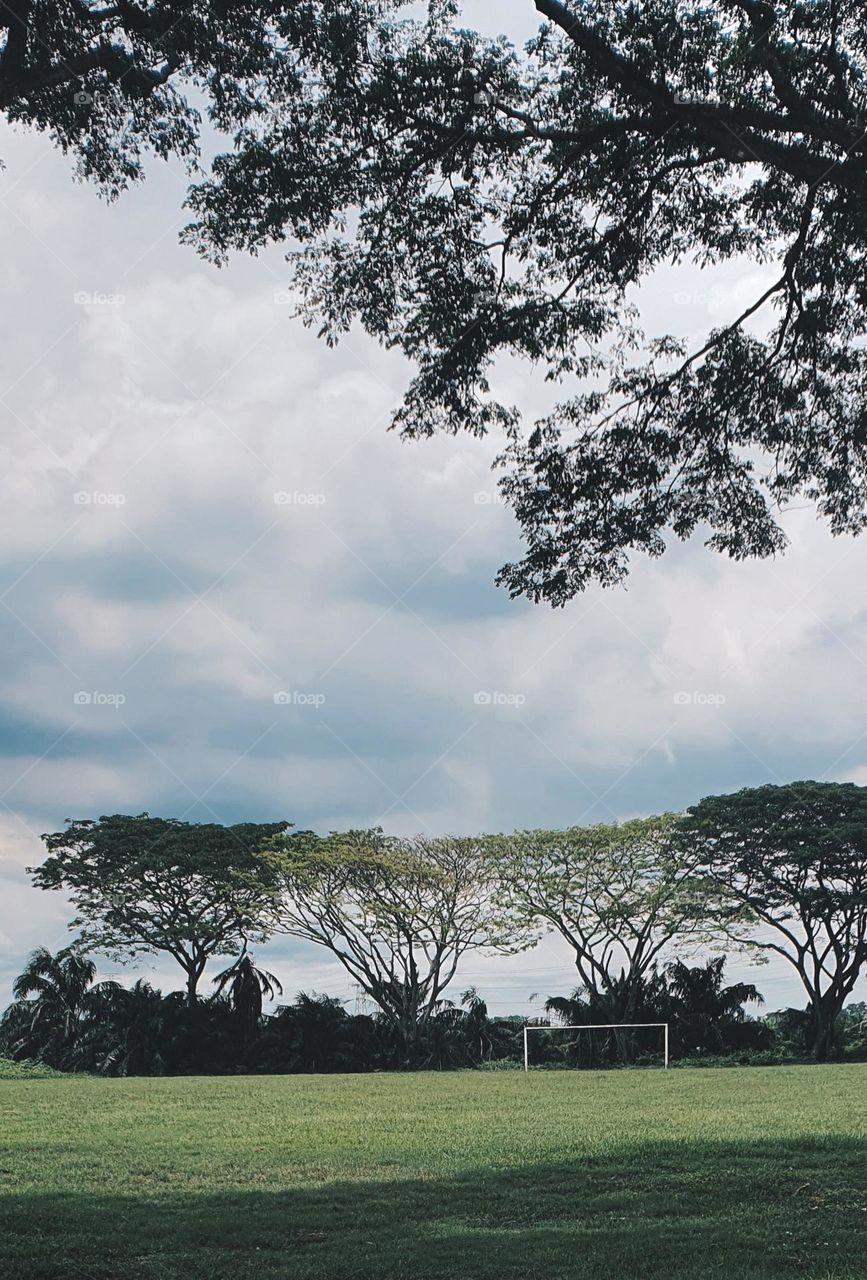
(825, 1015)
(408, 1033)
(626, 1039)
(193, 976)
(823, 1036)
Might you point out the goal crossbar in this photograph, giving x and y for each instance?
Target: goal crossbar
(596, 1026)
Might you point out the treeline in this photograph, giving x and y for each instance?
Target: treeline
(64, 1018)
(776, 871)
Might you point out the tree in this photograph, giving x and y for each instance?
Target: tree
(509, 203)
(398, 914)
(126, 1031)
(315, 1034)
(461, 1037)
(53, 997)
(620, 895)
(793, 859)
(109, 82)
(703, 1009)
(146, 885)
(247, 986)
(483, 1037)
(465, 201)
(645, 995)
(852, 1029)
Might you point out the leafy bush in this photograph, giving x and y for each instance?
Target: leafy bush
(756, 1058)
(10, 1070)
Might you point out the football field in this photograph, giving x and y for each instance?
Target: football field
(711, 1174)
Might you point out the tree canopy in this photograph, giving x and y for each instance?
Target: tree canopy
(620, 895)
(795, 858)
(142, 884)
(112, 83)
(464, 200)
(398, 914)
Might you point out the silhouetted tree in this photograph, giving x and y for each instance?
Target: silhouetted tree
(54, 996)
(476, 202)
(705, 1011)
(111, 83)
(646, 995)
(316, 1034)
(126, 1031)
(246, 986)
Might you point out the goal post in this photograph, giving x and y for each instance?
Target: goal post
(597, 1026)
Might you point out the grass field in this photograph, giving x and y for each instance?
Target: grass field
(703, 1174)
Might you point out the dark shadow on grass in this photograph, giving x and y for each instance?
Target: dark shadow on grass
(709, 1211)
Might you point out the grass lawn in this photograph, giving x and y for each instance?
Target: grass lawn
(710, 1175)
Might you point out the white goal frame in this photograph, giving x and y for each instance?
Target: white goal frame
(595, 1026)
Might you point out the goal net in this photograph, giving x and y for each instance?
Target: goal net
(616, 1030)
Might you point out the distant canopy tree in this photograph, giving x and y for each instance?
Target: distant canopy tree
(398, 914)
(793, 859)
(620, 895)
(464, 201)
(149, 885)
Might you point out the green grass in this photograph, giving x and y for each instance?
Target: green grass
(712, 1174)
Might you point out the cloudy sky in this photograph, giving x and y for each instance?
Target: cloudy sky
(203, 511)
